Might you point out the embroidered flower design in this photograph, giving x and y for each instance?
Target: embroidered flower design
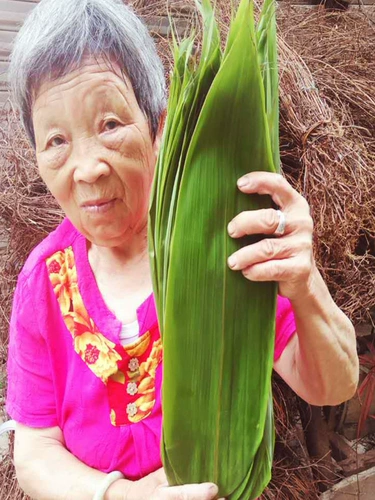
(54, 267)
(131, 409)
(91, 354)
(113, 417)
(100, 351)
(61, 270)
(105, 359)
(132, 388)
(133, 365)
(155, 358)
(146, 386)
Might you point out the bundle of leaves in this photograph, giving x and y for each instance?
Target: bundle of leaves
(327, 97)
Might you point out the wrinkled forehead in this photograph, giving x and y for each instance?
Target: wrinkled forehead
(97, 68)
(89, 89)
(81, 96)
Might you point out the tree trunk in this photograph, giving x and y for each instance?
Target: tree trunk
(317, 443)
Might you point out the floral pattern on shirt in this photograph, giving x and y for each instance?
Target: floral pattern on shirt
(128, 372)
(145, 378)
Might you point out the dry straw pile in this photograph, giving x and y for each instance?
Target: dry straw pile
(328, 125)
(327, 85)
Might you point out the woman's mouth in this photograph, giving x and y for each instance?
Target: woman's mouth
(100, 206)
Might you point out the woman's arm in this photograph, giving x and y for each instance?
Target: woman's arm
(47, 471)
(321, 362)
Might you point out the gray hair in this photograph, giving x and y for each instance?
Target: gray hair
(58, 34)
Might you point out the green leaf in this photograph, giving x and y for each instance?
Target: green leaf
(217, 327)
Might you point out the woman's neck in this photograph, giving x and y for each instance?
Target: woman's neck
(123, 276)
(131, 252)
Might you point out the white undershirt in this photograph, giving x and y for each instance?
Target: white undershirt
(129, 333)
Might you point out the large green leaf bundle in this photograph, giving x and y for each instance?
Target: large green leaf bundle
(217, 327)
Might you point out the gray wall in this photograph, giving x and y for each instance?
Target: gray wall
(12, 15)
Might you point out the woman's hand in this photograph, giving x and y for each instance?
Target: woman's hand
(287, 259)
(155, 487)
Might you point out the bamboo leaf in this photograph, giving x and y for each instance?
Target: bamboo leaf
(217, 327)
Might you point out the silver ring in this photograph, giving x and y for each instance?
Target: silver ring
(280, 230)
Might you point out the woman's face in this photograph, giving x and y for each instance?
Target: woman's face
(95, 152)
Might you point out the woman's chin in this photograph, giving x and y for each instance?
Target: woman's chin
(109, 228)
(105, 235)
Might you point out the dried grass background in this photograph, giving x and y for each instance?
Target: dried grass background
(327, 106)
(328, 143)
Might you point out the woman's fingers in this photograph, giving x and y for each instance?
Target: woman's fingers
(263, 221)
(287, 270)
(274, 185)
(287, 258)
(266, 221)
(270, 249)
(293, 275)
(204, 491)
(159, 477)
(147, 486)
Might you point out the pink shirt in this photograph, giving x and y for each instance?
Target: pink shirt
(67, 368)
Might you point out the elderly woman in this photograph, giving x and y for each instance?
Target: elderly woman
(91, 94)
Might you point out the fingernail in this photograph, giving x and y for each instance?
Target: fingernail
(242, 182)
(232, 262)
(231, 228)
(246, 272)
(214, 489)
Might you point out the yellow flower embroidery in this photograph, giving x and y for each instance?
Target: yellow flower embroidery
(145, 377)
(98, 353)
(128, 374)
(95, 350)
(59, 269)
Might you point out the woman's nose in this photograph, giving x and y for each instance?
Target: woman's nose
(89, 166)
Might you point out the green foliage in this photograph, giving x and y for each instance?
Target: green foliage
(217, 327)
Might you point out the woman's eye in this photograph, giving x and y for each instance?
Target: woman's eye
(55, 142)
(111, 125)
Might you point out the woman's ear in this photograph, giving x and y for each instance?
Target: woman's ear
(159, 134)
